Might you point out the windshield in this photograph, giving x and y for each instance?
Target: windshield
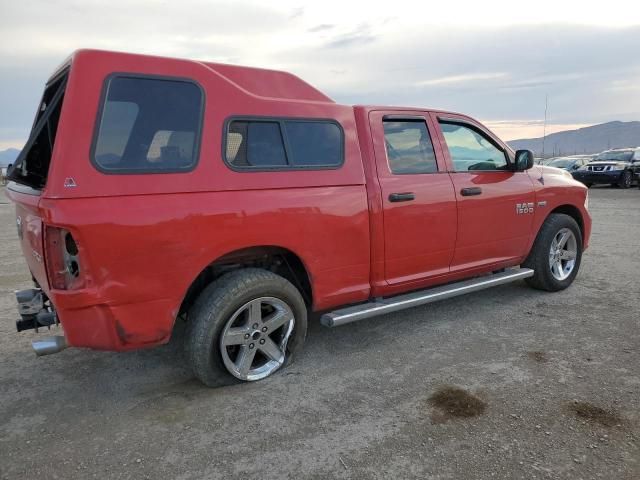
(561, 163)
(623, 156)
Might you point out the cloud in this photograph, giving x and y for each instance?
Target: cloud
(495, 64)
(465, 78)
(358, 36)
(321, 28)
(296, 12)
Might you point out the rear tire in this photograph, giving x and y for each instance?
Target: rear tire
(236, 302)
(556, 254)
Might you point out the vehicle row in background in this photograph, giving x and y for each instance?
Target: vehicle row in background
(619, 167)
(571, 163)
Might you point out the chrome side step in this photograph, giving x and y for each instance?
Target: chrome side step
(422, 297)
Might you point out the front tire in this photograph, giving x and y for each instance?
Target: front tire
(625, 179)
(556, 254)
(244, 326)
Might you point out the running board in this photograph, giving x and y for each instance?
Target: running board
(422, 297)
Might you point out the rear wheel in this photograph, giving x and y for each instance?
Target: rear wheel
(625, 179)
(244, 326)
(556, 254)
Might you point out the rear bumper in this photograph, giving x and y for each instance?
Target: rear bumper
(117, 327)
(598, 177)
(96, 325)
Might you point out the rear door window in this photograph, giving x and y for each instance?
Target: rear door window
(409, 147)
(148, 124)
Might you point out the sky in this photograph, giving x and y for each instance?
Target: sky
(494, 60)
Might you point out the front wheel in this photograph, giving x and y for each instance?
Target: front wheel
(626, 179)
(244, 326)
(556, 254)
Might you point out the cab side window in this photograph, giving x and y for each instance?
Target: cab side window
(409, 147)
(471, 150)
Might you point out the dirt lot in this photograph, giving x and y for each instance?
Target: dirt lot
(555, 380)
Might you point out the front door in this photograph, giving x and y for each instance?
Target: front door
(495, 204)
(419, 204)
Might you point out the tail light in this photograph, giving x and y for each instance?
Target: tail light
(62, 259)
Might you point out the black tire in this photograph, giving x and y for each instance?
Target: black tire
(216, 305)
(625, 179)
(538, 258)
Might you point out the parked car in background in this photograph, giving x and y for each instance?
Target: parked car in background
(569, 163)
(618, 167)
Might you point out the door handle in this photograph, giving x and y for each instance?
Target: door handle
(402, 197)
(470, 191)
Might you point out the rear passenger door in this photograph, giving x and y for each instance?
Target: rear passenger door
(419, 204)
(495, 204)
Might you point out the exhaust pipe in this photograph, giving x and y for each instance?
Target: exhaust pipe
(49, 345)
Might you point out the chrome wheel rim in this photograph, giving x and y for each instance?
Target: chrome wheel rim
(563, 253)
(254, 340)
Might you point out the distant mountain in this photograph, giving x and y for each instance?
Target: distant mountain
(593, 139)
(8, 156)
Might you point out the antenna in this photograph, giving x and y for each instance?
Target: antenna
(544, 136)
(544, 127)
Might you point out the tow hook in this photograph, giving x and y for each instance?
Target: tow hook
(36, 311)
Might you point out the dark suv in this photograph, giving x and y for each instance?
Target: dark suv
(618, 167)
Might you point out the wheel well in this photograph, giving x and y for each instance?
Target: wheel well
(275, 259)
(574, 213)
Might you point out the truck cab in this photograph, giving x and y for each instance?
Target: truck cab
(238, 200)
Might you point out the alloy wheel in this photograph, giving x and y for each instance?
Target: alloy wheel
(562, 254)
(254, 340)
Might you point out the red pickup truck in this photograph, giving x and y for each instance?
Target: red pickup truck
(239, 200)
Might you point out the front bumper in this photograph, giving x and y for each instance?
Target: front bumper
(612, 176)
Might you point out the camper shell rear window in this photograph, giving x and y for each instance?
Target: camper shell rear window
(148, 124)
(31, 168)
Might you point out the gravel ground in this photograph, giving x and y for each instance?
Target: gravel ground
(364, 400)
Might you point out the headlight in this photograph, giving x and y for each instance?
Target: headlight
(586, 201)
(618, 166)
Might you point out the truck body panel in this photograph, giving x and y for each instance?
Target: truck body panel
(143, 239)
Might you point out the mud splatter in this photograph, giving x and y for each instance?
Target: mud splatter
(456, 402)
(596, 414)
(538, 356)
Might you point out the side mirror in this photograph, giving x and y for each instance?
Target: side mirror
(524, 160)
